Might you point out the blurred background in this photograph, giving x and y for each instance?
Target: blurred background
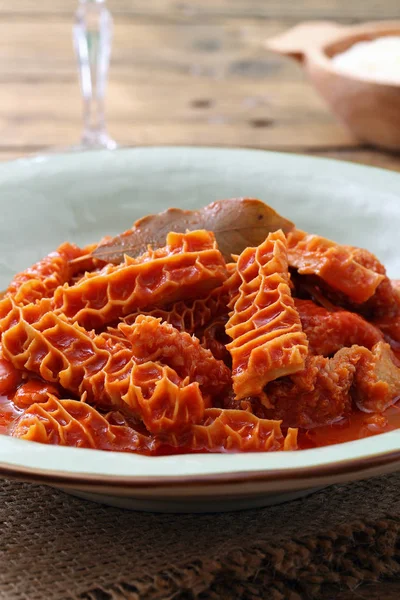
(182, 72)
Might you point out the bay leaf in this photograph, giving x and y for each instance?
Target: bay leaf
(236, 223)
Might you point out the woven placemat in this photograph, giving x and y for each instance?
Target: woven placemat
(55, 547)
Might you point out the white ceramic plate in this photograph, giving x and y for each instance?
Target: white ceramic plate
(81, 197)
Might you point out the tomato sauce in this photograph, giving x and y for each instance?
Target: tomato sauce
(356, 426)
(8, 414)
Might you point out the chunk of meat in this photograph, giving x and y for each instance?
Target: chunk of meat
(390, 328)
(396, 289)
(317, 395)
(188, 267)
(327, 332)
(153, 340)
(389, 321)
(377, 380)
(268, 341)
(336, 265)
(324, 391)
(385, 300)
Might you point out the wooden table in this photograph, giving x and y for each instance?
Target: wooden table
(183, 72)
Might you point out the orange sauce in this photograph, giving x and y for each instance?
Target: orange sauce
(8, 414)
(356, 426)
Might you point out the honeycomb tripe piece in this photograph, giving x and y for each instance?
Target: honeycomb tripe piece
(85, 363)
(188, 267)
(337, 265)
(39, 341)
(41, 279)
(225, 430)
(164, 402)
(267, 337)
(77, 424)
(188, 315)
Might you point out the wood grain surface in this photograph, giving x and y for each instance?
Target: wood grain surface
(183, 72)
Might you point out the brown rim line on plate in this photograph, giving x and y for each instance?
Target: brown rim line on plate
(307, 476)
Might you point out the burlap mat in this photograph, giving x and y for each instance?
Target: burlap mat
(53, 547)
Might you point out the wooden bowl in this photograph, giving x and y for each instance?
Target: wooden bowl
(371, 110)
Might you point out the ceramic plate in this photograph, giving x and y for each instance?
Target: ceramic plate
(82, 197)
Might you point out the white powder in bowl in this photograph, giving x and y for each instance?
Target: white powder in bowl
(375, 60)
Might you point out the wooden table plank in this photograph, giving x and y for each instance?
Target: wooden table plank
(195, 9)
(229, 50)
(263, 114)
(362, 156)
(293, 136)
(210, 102)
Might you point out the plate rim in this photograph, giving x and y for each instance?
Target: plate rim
(334, 468)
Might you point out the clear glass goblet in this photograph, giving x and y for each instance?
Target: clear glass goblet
(92, 36)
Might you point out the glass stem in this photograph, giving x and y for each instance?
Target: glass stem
(92, 35)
